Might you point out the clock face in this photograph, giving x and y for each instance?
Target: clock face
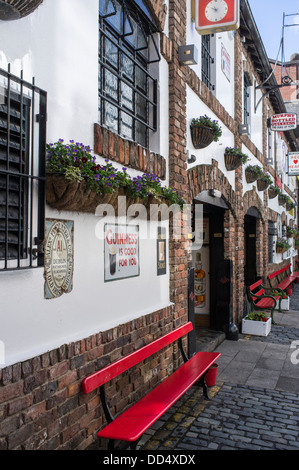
(216, 10)
(212, 16)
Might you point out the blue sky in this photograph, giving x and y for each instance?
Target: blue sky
(268, 16)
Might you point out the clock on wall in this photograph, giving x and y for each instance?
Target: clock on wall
(214, 16)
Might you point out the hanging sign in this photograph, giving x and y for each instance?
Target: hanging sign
(283, 122)
(215, 16)
(293, 163)
(225, 62)
(59, 257)
(121, 251)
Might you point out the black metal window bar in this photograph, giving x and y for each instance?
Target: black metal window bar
(206, 61)
(127, 90)
(246, 101)
(22, 172)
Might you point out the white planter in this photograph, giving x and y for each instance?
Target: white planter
(285, 304)
(258, 328)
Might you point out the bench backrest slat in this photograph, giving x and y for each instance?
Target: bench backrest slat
(255, 285)
(276, 273)
(102, 376)
(259, 293)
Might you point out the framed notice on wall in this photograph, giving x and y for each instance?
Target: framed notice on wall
(161, 251)
(121, 251)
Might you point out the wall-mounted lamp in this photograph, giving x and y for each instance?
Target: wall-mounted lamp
(188, 55)
(243, 129)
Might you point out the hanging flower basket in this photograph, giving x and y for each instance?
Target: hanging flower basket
(234, 158)
(264, 181)
(16, 9)
(201, 136)
(273, 192)
(282, 200)
(252, 172)
(262, 185)
(204, 131)
(232, 162)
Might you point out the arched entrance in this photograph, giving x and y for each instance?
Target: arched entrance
(213, 261)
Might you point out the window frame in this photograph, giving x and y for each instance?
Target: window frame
(147, 95)
(22, 172)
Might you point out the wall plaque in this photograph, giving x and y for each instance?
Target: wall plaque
(59, 257)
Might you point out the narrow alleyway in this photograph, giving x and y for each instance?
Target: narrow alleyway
(242, 414)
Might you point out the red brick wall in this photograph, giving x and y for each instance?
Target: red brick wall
(41, 402)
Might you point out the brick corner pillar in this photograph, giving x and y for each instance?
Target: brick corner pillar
(178, 179)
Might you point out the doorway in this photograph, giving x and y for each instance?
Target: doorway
(212, 273)
(250, 271)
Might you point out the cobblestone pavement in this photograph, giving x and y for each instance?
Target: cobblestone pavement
(239, 416)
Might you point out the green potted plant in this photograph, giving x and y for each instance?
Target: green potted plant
(234, 158)
(252, 172)
(263, 181)
(256, 323)
(204, 131)
(273, 191)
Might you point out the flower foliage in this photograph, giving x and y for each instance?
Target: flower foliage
(257, 316)
(208, 122)
(76, 163)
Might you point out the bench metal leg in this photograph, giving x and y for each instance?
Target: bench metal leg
(205, 388)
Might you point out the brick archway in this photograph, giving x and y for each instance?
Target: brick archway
(252, 199)
(206, 177)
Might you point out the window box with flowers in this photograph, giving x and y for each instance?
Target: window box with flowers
(263, 181)
(234, 158)
(76, 182)
(256, 323)
(252, 172)
(204, 131)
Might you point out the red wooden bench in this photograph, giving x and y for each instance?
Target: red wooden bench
(133, 422)
(284, 277)
(259, 300)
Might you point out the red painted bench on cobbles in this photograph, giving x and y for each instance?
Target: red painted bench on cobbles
(284, 278)
(130, 425)
(259, 300)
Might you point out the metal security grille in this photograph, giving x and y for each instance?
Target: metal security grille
(206, 61)
(127, 91)
(22, 172)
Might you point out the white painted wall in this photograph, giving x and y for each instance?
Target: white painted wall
(196, 108)
(58, 44)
